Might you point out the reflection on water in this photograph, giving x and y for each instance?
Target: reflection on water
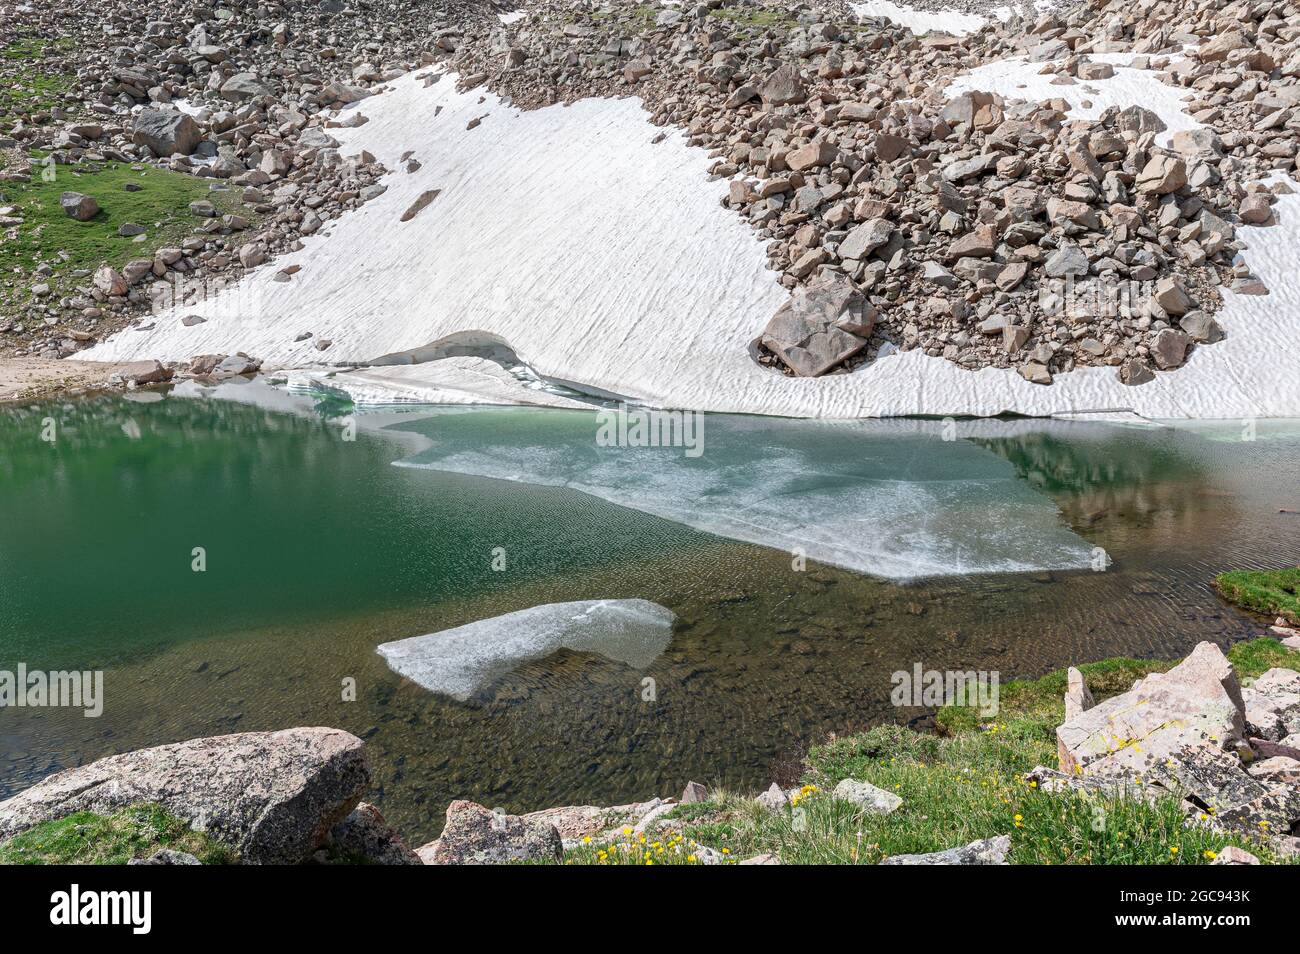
(318, 550)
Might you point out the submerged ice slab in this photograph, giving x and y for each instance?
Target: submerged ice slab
(601, 254)
(459, 662)
(893, 500)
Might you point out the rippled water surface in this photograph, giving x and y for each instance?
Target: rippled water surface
(318, 549)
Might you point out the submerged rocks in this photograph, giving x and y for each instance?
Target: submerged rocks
(272, 796)
(820, 326)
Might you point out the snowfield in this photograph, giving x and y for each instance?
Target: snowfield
(605, 260)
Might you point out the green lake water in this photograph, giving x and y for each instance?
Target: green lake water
(977, 541)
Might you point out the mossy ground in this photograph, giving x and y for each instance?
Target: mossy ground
(1271, 592)
(957, 786)
(89, 839)
(31, 84)
(49, 236)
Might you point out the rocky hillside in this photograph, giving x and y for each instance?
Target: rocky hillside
(978, 227)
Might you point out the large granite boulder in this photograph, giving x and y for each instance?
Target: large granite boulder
(475, 835)
(166, 132)
(575, 822)
(272, 796)
(1196, 706)
(820, 326)
(1273, 704)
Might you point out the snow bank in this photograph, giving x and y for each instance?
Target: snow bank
(459, 662)
(921, 22)
(605, 259)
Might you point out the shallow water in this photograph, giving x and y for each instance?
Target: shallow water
(318, 550)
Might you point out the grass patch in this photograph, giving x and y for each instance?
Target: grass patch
(48, 236)
(1270, 592)
(31, 85)
(89, 839)
(959, 786)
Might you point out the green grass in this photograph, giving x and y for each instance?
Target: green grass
(31, 85)
(1271, 592)
(89, 839)
(47, 235)
(961, 785)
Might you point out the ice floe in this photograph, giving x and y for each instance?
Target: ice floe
(901, 500)
(604, 259)
(462, 661)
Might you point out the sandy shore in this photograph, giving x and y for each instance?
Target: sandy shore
(23, 379)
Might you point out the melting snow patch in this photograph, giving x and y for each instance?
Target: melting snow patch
(459, 662)
(600, 253)
(921, 22)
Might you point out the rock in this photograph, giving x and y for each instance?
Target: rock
(416, 207)
(1133, 372)
(820, 153)
(1169, 348)
(820, 326)
(1078, 697)
(78, 206)
(773, 799)
(1201, 327)
(1162, 175)
(1273, 704)
(987, 851)
(141, 373)
(783, 87)
(473, 835)
(167, 856)
(980, 243)
(1035, 373)
(767, 859)
(1194, 708)
(694, 792)
(110, 281)
(365, 835)
(866, 238)
(1067, 260)
(272, 796)
(1172, 297)
(167, 132)
(1275, 771)
(873, 800)
(575, 822)
(1232, 855)
(1255, 209)
(243, 87)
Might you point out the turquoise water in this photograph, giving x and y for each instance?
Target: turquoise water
(318, 549)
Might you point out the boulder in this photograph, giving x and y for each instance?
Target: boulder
(272, 796)
(167, 856)
(1273, 704)
(1078, 697)
(1193, 708)
(474, 835)
(78, 206)
(783, 87)
(986, 851)
(167, 132)
(243, 87)
(866, 238)
(1162, 175)
(1169, 348)
(774, 799)
(873, 800)
(694, 792)
(1232, 855)
(820, 326)
(109, 281)
(575, 822)
(366, 836)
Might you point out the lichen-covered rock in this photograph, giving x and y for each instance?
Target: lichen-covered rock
(986, 851)
(272, 796)
(873, 800)
(475, 835)
(365, 834)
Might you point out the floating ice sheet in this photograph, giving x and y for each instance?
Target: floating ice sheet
(459, 662)
(894, 501)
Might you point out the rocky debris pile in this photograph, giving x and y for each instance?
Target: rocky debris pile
(272, 796)
(241, 95)
(987, 231)
(1232, 753)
